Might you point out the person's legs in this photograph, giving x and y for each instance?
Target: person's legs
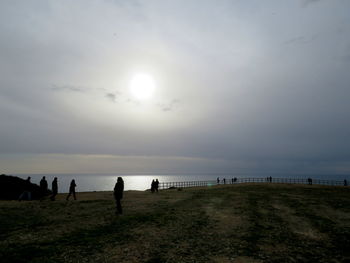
(75, 198)
(119, 206)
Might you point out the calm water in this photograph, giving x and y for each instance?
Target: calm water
(95, 182)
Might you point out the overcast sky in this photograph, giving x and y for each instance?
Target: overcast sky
(249, 87)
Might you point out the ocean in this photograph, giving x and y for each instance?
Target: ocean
(106, 182)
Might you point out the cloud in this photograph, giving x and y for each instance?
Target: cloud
(113, 96)
(306, 3)
(169, 106)
(67, 87)
(300, 40)
(241, 95)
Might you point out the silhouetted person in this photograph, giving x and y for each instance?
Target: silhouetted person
(54, 189)
(43, 185)
(309, 180)
(26, 194)
(224, 180)
(218, 180)
(345, 182)
(153, 185)
(118, 194)
(235, 179)
(270, 179)
(72, 190)
(156, 184)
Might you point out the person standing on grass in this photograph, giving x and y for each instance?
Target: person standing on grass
(118, 195)
(156, 184)
(153, 185)
(54, 189)
(309, 180)
(43, 185)
(72, 190)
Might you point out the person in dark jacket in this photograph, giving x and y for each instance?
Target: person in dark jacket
(54, 189)
(72, 190)
(118, 194)
(43, 185)
(156, 185)
(153, 185)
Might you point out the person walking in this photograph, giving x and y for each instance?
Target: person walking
(54, 189)
(118, 195)
(72, 190)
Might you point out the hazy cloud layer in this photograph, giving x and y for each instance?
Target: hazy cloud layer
(261, 86)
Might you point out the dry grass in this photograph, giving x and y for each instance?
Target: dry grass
(239, 223)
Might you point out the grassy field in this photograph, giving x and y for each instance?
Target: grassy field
(239, 223)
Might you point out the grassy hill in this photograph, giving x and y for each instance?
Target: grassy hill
(233, 223)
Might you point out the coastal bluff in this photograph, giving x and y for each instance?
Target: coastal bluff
(11, 187)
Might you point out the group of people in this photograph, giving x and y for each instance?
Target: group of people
(155, 186)
(44, 189)
(118, 189)
(269, 179)
(233, 180)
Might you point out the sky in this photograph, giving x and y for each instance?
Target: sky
(245, 87)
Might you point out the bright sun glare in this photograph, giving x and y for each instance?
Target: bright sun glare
(142, 86)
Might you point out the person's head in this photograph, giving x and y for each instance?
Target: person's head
(44, 177)
(28, 179)
(55, 179)
(120, 180)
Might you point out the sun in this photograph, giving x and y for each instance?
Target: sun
(142, 86)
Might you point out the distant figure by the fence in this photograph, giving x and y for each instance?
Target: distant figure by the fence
(153, 186)
(156, 185)
(309, 180)
(172, 185)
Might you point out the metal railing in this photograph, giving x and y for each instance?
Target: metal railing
(170, 185)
